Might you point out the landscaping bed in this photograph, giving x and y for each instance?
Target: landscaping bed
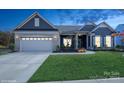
(4, 51)
(78, 67)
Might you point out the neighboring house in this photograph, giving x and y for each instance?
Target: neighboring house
(118, 39)
(37, 34)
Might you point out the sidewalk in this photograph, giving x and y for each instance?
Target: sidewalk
(73, 53)
(109, 80)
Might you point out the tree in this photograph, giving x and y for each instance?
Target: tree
(6, 38)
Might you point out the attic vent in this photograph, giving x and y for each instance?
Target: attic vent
(36, 22)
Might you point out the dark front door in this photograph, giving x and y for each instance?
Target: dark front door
(82, 41)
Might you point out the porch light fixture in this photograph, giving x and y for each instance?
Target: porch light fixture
(16, 37)
(79, 34)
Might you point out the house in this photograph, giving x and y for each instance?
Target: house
(37, 34)
(118, 39)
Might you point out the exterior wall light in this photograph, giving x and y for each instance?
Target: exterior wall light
(16, 37)
(79, 34)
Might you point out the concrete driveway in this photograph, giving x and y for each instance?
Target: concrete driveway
(19, 67)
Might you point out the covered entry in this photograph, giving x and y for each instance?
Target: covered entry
(82, 41)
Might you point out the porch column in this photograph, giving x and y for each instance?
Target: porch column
(104, 42)
(90, 41)
(76, 41)
(113, 42)
(87, 41)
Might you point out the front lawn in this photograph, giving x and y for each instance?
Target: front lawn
(78, 67)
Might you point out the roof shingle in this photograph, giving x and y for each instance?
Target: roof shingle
(68, 29)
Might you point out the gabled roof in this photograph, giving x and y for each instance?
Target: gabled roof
(103, 26)
(120, 28)
(28, 24)
(89, 26)
(67, 29)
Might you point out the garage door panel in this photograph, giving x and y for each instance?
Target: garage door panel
(36, 45)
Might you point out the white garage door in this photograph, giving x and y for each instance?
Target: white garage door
(36, 44)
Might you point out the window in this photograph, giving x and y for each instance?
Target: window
(46, 38)
(50, 38)
(97, 41)
(27, 38)
(38, 39)
(42, 38)
(23, 38)
(36, 22)
(67, 42)
(31, 38)
(108, 41)
(35, 38)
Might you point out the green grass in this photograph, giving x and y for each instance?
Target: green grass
(78, 67)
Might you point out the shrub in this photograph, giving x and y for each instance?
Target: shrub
(81, 50)
(12, 46)
(57, 48)
(118, 46)
(62, 46)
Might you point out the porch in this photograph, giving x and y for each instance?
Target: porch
(74, 41)
(70, 43)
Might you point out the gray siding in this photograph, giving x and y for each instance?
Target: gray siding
(30, 25)
(103, 31)
(56, 41)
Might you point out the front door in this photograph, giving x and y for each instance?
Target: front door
(82, 42)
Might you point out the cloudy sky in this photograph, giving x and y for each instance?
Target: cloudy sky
(9, 19)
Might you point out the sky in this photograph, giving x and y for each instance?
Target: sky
(11, 18)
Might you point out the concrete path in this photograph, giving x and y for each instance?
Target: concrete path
(110, 80)
(73, 53)
(19, 67)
